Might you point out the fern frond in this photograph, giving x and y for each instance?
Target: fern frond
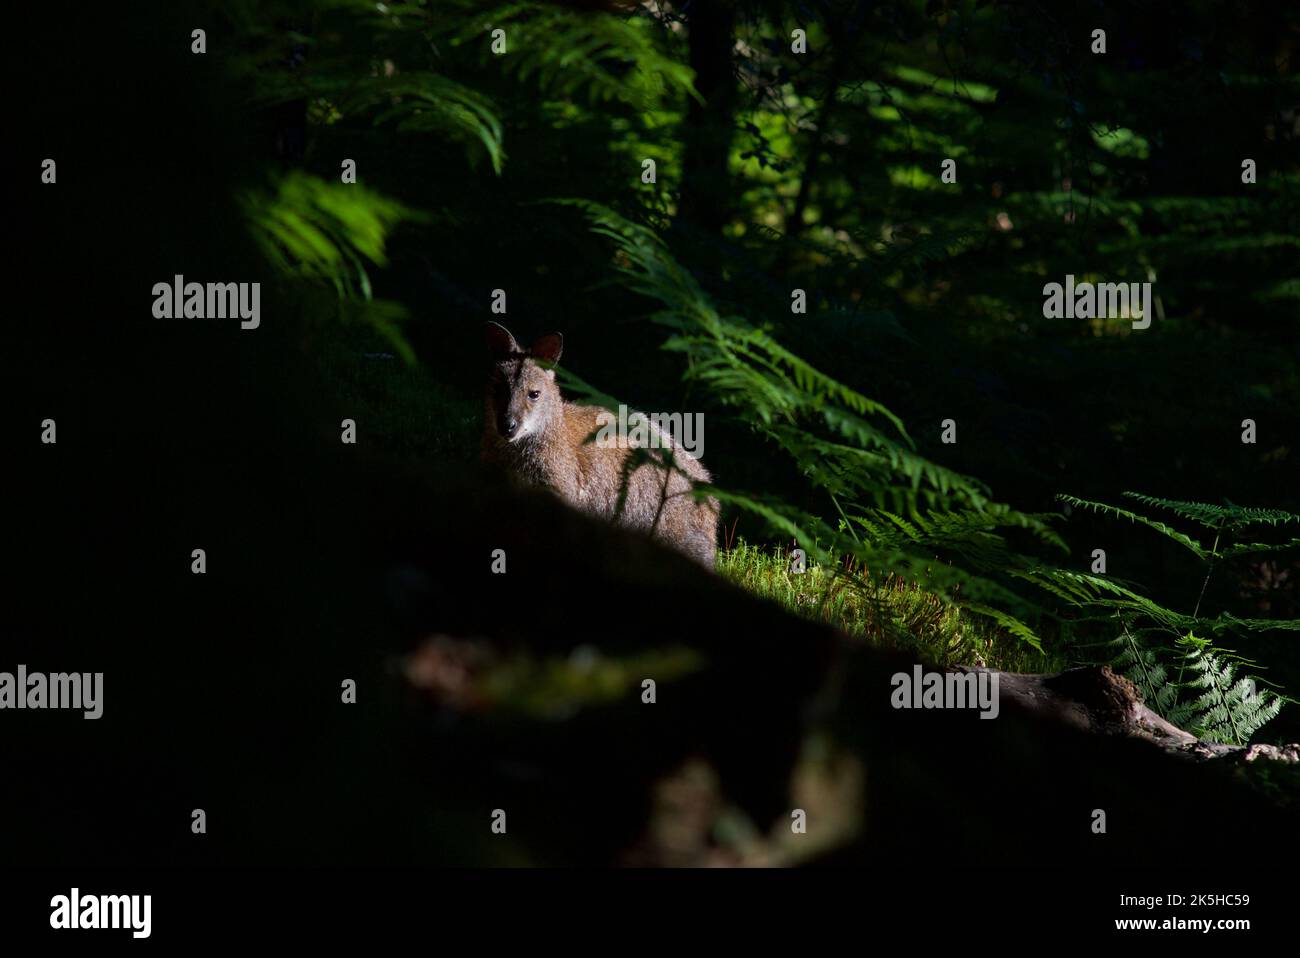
(1103, 509)
(1230, 708)
(1227, 516)
(1257, 548)
(569, 53)
(1009, 622)
(324, 231)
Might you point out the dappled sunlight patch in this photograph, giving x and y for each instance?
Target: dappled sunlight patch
(693, 824)
(886, 609)
(474, 675)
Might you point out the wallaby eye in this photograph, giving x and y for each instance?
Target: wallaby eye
(534, 393)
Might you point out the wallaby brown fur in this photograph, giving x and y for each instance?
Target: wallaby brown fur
(534, 434)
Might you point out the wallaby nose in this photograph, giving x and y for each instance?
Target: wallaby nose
(512, 427)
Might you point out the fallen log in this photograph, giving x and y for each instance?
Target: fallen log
(1097, 699)
(942, 783)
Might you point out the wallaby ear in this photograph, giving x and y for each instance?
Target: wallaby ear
(548, 348)
(500, 342)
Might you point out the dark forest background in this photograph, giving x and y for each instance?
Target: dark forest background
(522, 171)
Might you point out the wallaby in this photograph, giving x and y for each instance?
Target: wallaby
(540, 438)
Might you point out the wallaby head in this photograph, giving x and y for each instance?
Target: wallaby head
(522, 394)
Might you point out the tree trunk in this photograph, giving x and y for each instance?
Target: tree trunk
(706, 184)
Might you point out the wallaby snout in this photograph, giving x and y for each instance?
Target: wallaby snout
(531, 431)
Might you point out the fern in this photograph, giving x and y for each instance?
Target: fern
(1227, 516)
(1144, 667)
(894, 509)
(901, 512)
(1189, 681)
(359, 59)
(350, 60)
(600, 56)
(328, 233)
(1182, 539)
(424, 102)
(1230, 708)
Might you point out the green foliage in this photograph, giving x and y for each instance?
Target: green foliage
(1118, 513)
(1184, 677)
(351, 61)
(1145, 667)
(327, 233)
(323, 231)
(388, 66)
(1196, 686)
(1226, 520)
(1230, 709)
(881, 608)
(423, 102)
(833, 187)
(599, 57)
(359, 59)
(892, 508)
